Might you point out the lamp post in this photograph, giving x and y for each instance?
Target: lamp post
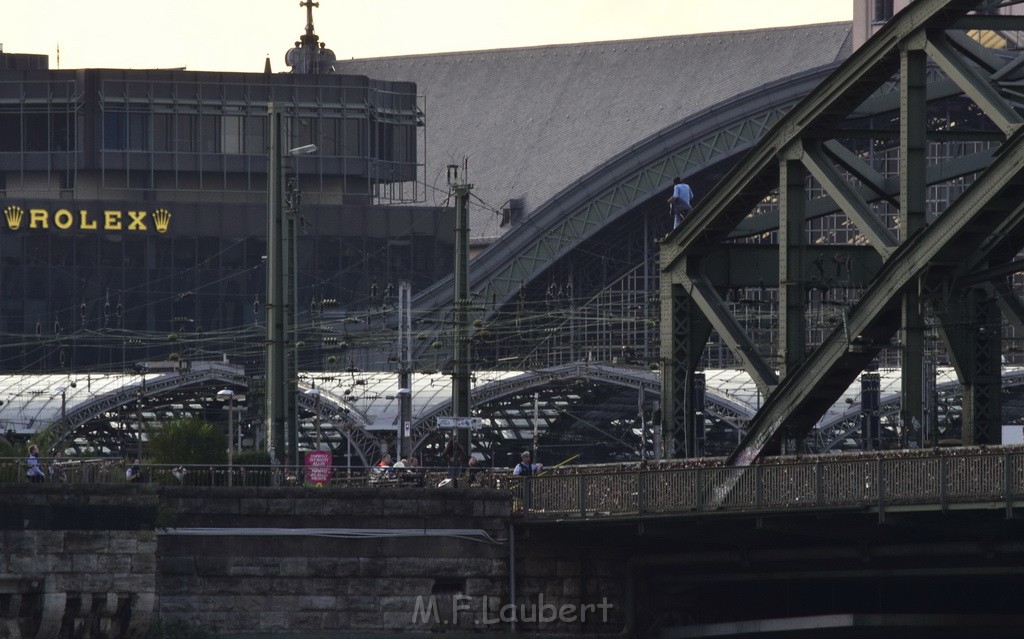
(229, 395)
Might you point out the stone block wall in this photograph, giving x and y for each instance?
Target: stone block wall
(109, 561)
(322, 562)
(76, 562)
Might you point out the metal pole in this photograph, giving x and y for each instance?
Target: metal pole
(231, 439)
(275, 408)
(643, 425)
(536, 419)
(461, 368)
(348, 455)
(405, 372)
(288, 277)
(318, 438)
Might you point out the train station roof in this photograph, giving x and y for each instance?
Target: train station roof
(532, 121)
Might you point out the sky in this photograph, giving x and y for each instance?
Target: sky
(238, 35)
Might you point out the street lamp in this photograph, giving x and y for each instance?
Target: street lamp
(229, 395)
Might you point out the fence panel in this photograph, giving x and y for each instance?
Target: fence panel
(975, 478)
(911, 480)
(670, 491)
(728, 488)
(785, 486)
(549, 495)
(612, 494)
(848, 482)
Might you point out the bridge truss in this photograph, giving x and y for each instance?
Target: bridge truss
(914, 146)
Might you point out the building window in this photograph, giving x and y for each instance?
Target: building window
(882, 11)
(36, 131)
(210, 136)
(255, 136)
(125, 131)
(185, 133)
(305, 132)
(115, 130)
(231, 134)
(138, 131)
(10, 124)
(163, 132)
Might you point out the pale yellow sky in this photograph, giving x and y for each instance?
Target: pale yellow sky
(237, 35)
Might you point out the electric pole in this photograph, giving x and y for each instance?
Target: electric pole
(461, 370)
(277, 320)
(405, 369)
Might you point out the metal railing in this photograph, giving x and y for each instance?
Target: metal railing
(114, 471)
(880, 482)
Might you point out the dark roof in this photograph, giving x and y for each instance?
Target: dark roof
(534, 120)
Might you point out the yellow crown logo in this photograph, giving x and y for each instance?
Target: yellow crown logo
(161, 217)
(14, 215)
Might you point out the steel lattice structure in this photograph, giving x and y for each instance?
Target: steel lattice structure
(945, 271)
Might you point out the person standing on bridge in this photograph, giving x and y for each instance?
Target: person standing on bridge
(35, 471)
(524, 468)
(454, 455)
(680, 203)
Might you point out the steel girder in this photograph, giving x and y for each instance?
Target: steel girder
(980, 230)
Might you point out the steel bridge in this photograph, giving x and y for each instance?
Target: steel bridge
(941, 268)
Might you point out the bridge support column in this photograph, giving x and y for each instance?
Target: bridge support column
(913, 203)
(792, 242)
(972, 326)
(684, 334)
(982, 416)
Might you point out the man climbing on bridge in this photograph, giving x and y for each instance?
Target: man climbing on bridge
(680, 201)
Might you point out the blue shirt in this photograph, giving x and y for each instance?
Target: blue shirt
(683, 192)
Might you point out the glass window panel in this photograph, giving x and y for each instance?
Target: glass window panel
(114, 130)
(10, 124)
(255, 134)
(185, 132)
(210, 138)
(60, 131)
(163, 132)
(231, 134)
(138, 131)
(36, 132)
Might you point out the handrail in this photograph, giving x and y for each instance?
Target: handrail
(876, 482)
(114, 471)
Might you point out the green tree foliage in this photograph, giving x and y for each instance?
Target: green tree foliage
(252, 458)
(187, 441)
(8, 449)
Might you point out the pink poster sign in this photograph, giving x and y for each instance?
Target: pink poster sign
(318, 468)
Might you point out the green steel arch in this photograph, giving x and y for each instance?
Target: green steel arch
(637, 177)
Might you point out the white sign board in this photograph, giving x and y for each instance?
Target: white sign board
(1013, 435)
(474, 423)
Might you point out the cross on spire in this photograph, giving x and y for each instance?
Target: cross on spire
(309, 4)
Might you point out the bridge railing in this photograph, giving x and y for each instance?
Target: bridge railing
(829, 482)
(113, 471)
(679, 487)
